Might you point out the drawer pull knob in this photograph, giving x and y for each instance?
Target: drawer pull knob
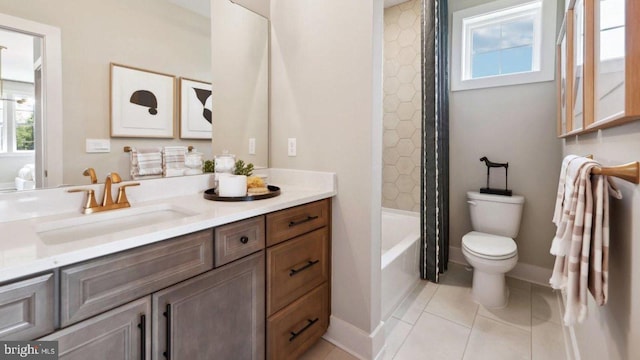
(306, 266)
(309, 324)
(167, 314)
(143, 336)
(244, 239)
(309, 218)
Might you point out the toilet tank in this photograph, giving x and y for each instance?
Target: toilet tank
(495, 214)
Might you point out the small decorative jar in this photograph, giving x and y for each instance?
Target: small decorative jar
(193, 162)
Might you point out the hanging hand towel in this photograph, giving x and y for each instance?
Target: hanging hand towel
(173, 158)
(582, 239)
(557, 214)
(573, 239)
(599, 255)
(145, 162)
(562, 240)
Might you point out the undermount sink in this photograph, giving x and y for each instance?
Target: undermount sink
(106, 223)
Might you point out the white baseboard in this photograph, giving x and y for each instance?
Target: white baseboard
(531, 273)
(355, 341)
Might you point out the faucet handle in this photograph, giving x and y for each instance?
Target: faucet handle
(122, 195)
(90, 202)
(91, 173)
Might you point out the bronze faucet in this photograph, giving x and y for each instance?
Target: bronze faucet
(107, 199)
(92, 206)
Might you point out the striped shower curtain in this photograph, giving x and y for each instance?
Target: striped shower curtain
(434, 202)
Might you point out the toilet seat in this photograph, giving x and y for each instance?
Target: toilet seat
(488, 246)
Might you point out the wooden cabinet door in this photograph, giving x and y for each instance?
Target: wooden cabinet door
(26, 308)
(217, 315)
(119, 334)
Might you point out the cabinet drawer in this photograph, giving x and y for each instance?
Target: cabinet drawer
(120, 334)
(295, 267)
(233, 241)
(98, 285)
(289, 223)
(26, 308)
(297, 327)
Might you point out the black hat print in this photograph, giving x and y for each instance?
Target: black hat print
(145, 98)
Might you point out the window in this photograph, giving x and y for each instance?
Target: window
(17, 132)
(502, 43)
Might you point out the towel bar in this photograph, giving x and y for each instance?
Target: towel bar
(629, 172)
(128, 148)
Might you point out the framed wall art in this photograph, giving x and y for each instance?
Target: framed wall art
(142, 103)
(195, 109)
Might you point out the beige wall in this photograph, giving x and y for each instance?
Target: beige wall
(515, 124)
(149, 34)
(261, 7)
(240, 57)
(613, 331)
(326, 92)
(402, 107)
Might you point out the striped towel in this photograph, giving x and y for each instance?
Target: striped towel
(145, 162)
(557, 214)
(599, 255)
(579, 244)
(567, 203)
(173, 158)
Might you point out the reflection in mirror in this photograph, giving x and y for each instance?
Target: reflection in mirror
(30, 63)
(610, 55)
(240, 41)
(162, 36)
(17, 115)
(154, 35)
(578, 65)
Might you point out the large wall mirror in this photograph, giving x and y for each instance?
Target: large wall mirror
(240, 70)
(168, 36)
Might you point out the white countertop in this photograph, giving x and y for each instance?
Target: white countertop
(23, 252)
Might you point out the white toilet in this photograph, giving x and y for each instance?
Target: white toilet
(490, 248)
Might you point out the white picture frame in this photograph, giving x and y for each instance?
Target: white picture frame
(195, 109)
(142, 103)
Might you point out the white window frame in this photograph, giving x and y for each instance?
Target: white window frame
(465, 20)
(13, 89)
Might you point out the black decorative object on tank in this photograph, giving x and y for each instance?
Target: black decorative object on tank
(488, 190)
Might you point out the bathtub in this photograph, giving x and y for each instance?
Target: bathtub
(400, 257)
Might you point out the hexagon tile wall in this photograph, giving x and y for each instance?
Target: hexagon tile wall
(402, 107)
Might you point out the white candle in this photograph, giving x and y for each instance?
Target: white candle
(232, 185)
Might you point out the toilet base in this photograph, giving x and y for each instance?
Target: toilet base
(490, 290)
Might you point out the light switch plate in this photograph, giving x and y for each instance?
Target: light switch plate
(98, 145)
(291, 147)
(252, 146)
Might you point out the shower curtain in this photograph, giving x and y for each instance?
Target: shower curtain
(434, 201)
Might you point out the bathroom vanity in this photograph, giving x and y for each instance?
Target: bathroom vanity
(232, 280)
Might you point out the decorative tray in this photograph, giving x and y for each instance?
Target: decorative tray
(210, 194)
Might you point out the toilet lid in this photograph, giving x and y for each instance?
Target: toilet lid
(489, 246)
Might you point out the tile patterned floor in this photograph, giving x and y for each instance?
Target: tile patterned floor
(440, 321)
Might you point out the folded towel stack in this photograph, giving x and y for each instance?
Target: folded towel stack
(581, 243)
(146, 163)
(173, 160)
